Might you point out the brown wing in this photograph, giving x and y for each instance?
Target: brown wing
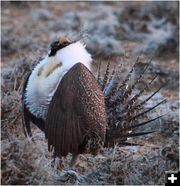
(76, 111)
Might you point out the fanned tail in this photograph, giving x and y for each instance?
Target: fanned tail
(124, 108)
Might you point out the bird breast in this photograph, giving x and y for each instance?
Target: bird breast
(40, 89)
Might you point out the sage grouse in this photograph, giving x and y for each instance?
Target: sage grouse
(78, 112)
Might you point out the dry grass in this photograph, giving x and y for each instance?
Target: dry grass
(25, 162)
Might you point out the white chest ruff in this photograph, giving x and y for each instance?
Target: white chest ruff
(39, 92)
(41, 87)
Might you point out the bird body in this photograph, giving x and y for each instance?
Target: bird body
(78, 112)
(65, 101)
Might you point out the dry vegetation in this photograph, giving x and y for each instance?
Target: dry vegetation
(115, 29)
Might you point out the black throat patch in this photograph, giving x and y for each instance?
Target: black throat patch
(57, 45)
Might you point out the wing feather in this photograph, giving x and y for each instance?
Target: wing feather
(77, 109)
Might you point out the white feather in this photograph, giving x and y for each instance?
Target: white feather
(40, 89)
(73, 54)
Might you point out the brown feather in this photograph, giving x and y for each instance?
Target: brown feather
(123, 108)
(76, 113)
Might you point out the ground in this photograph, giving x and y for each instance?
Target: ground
(116, 32)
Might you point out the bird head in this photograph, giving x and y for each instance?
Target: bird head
(59, 44)
(63, 54)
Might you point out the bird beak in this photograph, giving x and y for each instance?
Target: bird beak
(52, 65)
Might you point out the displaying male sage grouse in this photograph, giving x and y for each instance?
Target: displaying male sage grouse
(78, 112)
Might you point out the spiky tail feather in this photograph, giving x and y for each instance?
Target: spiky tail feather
(123, 108)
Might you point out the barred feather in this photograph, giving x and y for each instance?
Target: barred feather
(99, 73)
(110, 87)
(106, 76)
(123, 108)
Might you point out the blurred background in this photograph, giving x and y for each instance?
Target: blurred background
(111, 30)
